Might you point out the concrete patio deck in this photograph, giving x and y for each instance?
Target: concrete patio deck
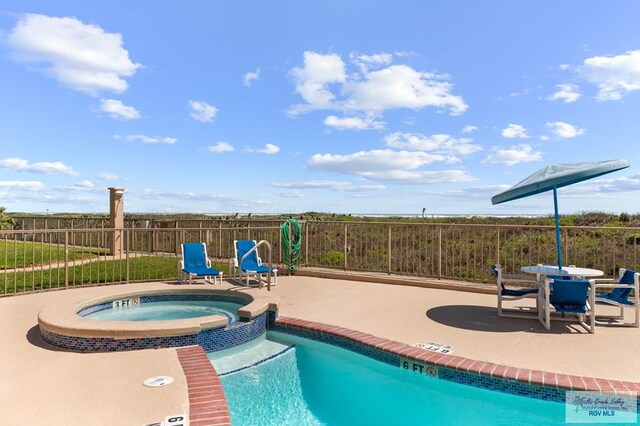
(45, 386)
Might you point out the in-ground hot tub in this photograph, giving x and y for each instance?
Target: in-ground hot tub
(213, 319)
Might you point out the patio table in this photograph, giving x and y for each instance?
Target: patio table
(572, 271)
(543, 295)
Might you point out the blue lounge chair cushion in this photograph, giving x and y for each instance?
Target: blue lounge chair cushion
(570, 295)
(621, 295)
(195, 260)
(201, 271)
(516, 293)
(250, 263)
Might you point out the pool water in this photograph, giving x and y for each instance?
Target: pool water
(170, 310)
(318, 384)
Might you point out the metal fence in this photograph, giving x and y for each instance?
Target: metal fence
(464, 252)
(55, 259)
(58, 258)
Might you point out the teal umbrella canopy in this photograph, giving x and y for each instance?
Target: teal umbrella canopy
(555, 176)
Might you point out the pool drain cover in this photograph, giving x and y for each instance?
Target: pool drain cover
(158, 381)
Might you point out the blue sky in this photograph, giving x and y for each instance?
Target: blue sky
(333, 106)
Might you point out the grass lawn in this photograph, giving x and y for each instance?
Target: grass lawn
(24, 254)
(145, 268)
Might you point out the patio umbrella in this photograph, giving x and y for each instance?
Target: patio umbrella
(555, 176)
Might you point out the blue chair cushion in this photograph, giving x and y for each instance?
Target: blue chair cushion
(516, 293)
(201, 271)
(620, 295)
(570, 295)
(609, 297)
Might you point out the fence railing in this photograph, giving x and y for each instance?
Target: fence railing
(464, 252)
(55, 259)
(59, 258)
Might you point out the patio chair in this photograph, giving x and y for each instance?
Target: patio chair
(619, 296)
(569, 297)
(195, 263)
(508, 294)
(247, 263)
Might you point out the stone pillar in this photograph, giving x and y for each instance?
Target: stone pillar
(116, 220)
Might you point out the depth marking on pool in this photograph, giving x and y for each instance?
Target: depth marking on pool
(419, 367)
(126, 303)
(435, 347)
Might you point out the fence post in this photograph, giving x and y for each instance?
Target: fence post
(345, 248)
(128, 234)
(498, 248)
(66, 259)
(565, 250)
(389, 252)
(439, 252)
(306, 244)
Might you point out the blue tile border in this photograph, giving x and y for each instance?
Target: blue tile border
(215, 339)
(505, 385)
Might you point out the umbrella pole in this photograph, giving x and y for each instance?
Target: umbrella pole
(558, 241)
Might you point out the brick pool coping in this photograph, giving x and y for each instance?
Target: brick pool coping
(208, 404)
(207, 401)
(562, 382)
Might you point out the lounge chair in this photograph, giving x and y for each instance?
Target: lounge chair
(195, 263)
(619, 296)
(247, 263)
(569, 297)
(508, 294)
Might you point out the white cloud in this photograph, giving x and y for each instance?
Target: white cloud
(226, 201)
(567, 93)
(368, 161)
(328, 184)
(313, 78)
(31, 185)
(220, 147)
(621, 184)
(269, 149)
(514, 131)
(439, 143)
(420, 177)
(202, 111)
(523, 153)
(56, 167)
(250, 77)
(396, 86)
(85, 184)
(354, 123)
(615, 76)
(81, 56)
(475, 192)
(400, 86)
(564, 130)
(291, 194)
(107, 176)
(365, 62)
(544, 138)
(116, 109)
(469, 129)
(146, 139)
(564, 67)
(388, 165)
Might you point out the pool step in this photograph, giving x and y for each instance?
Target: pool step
(245, 356)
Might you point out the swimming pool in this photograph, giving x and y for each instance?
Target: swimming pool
(169, 310)
(304, 382)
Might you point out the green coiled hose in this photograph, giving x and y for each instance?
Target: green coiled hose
(291, 232)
